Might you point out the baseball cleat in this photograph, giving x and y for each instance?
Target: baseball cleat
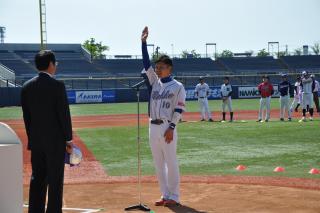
(202, 120)
(169, 203)
(259, 120)
(303, 119)
(210, 120)
(223, 121)
(267, 120)
(281, 119)
(160, 202)
(311, 118)
(289, 119)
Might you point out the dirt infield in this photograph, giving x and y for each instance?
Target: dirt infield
(88, 186)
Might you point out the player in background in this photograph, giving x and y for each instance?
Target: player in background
(297, 99)
(167, 103)
(202, 92)
(266, 91)
(226, 92)
(315, 93)
(284, 89)
(307, 96)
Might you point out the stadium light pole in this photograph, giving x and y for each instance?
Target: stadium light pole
(43, 28)
(172, 49)
(2, 34)
(157, 51)
(271, 43)
(215, 49)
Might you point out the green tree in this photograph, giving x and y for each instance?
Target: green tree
(96, 49)
(298, 51)
(226, 54)
(316, 48)
(187, 54)
(283, 53)
(262, 53)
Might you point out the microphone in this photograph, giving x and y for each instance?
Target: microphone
(138, 85)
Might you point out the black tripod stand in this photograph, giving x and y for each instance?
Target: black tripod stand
(139, 206)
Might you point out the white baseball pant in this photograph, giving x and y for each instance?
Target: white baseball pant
(296, 100)
(204, 108)
(284, 106)
(265, 103)
(227, 102)
(307, 99)
(165, 161)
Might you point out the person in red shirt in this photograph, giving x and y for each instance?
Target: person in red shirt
(266, 91)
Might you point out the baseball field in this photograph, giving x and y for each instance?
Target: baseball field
(208, 154)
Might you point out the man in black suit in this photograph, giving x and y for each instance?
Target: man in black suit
(48, 124)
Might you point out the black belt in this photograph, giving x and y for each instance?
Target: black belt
(158, 122)
(202, 97)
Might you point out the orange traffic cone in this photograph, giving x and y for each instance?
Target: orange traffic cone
(279, 169)
(241, 168)
(314, 171)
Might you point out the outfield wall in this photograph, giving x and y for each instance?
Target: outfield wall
(11, 96)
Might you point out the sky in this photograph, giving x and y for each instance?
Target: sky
(174, 25)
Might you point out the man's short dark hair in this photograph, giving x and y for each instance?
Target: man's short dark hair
(43, 59)
(164, 59)
(226, 78)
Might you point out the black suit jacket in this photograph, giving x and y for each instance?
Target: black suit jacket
(46, 113)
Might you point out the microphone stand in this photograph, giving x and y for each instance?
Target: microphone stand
(139, 206)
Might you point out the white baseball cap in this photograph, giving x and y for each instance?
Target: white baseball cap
(75, 157)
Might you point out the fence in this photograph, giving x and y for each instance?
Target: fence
(105, 90)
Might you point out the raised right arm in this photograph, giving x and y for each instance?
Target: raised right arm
(148, 73)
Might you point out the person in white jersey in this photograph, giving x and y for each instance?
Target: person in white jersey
(315, 91)
(226, 92)
(202, 92)
(167, 103)
(297, 99)
(307, 96)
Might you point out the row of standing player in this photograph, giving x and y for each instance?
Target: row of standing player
(202, 93)
(305, 92)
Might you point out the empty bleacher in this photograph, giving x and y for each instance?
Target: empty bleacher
(252, 64)
(119, 67)
(307, 62)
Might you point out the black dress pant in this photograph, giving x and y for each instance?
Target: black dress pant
(47, 173)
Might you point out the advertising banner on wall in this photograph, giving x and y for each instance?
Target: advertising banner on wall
(252, 92)
(79, 97)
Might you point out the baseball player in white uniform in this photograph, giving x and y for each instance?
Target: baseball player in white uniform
(315, 91)
(297, 100)
(202, 92)
(307, 96)
(226, 92)
(167, 103)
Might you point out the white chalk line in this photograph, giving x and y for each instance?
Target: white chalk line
(75, 209)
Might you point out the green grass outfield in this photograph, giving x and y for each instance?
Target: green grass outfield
(216, 148)
(129, 108)
(205, 148)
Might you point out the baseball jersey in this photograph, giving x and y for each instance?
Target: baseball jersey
(265, 89)
(164, 97)
(297, 88)
(202, 90)
(226, 90)
(306, 85)
(316, 86)
(284, 88)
